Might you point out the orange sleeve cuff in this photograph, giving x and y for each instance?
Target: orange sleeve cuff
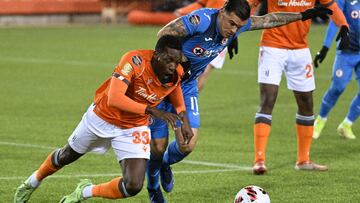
(338, 16)
(177, 100)
(118, 99)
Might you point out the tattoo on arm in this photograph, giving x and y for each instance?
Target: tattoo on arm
(273, 20)
(174, 28)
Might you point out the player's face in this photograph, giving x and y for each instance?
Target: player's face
(229, 23)
(168, 60)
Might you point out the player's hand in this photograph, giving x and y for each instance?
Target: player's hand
(186, 130)
(344, 38)
(169, 118)
(320, 56)
(319, 11)
(233, 48)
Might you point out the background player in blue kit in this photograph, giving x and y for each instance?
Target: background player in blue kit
(346, 61)
(205, 34)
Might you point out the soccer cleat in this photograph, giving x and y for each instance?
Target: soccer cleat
(23, 192)
(156, 196)
(259, 168)
(318, 127)
(76, 196)
(345, 131)
(167, 178)
(310, 166)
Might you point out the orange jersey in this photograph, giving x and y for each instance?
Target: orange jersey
(201, 4)
(144, 89)
(293, 35)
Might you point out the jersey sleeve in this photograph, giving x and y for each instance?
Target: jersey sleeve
(330, 34)
(244, 28)
(197, 22)
(125, 71)
(338, 16)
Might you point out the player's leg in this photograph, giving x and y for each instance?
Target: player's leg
(132, 149)
(341, 76)
(271, 63)
(79, 143)
(177, 150)
(344, 129)
(300, 78)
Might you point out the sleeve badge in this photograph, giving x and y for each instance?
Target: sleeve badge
(194, 19)
(136, 60)
(126, 69)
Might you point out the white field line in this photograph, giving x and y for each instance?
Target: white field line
(227, 167)
(101, 64)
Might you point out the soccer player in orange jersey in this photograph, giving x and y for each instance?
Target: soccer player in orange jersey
(285, 49)
(119, 117)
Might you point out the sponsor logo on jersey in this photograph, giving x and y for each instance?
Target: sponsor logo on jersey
(126, 69)
(353, 2)
(339, 73)
(355, 14)
(136, 60)
(151, 98)
(198, 51)
(294, 3)
(208, 39)
(207, 16)
(194, 19)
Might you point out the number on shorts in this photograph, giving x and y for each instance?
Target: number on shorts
(308, 71)
(142, 137)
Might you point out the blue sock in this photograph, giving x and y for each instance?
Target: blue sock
(329, 100)
(153, 172)
(173, 154)
(354, 110)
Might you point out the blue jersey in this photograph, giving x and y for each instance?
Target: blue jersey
(351, 10)
(204, 41)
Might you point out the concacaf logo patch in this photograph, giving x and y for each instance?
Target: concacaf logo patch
(194, 19)
(126, 69)
(137, 60)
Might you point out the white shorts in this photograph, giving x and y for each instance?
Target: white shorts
(218, 62)
(96, 135)
(296, 64)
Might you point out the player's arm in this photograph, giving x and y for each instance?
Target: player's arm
(177, 100)
(277, 19)
(175, 28)
(339, 19)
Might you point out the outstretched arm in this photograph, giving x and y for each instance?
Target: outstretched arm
(273, 20)
(175, 28)
(282, 18)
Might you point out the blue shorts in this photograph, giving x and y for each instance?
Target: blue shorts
(344, 65)
(159, 128)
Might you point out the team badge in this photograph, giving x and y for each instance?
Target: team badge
(137, 60)
(194, 19)
(224, 41)
(198, 51)
(126, 69)
(339, 73)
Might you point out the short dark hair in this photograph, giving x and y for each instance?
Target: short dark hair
(240, 7)
(168, 41)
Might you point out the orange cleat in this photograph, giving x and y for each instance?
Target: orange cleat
(259, 168)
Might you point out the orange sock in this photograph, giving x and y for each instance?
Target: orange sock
(304, 138)
(261, 134)
(47, 168)
(109, 190)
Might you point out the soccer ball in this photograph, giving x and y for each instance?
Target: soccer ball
(252, 194)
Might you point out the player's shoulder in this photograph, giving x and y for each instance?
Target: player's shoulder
(137, 60)
(201, 17)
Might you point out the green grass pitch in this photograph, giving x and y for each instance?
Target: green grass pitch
(48, 76)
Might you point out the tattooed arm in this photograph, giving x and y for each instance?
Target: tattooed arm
(175, 28)
(273, 20)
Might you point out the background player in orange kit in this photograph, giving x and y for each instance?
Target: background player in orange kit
(286, 49)
(119, 118)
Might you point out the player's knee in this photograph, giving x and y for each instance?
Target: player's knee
(158, 148)
(133, 186)
(65, 156)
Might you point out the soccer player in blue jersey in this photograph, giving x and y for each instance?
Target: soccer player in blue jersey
(346, 61)
(205, 34)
